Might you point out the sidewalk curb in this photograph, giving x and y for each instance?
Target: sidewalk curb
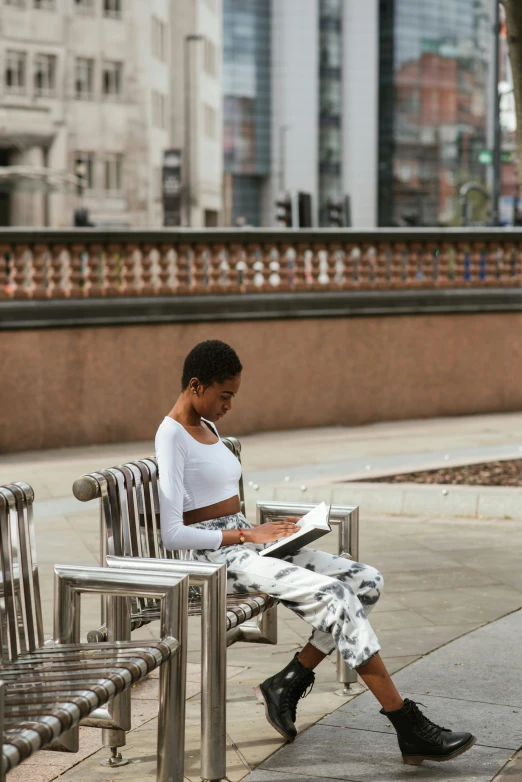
(408, 499)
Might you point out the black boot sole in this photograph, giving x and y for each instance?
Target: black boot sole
(262, 700)
(416, 760)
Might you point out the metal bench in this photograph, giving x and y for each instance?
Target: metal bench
(50, 688)
(129, 537)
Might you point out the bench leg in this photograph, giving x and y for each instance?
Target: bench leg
(3, 763)
(213, 677)
(348, 677)
(172, 693)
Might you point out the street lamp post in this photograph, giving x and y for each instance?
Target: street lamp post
(80, 213)
(188, 126)
(495, 202)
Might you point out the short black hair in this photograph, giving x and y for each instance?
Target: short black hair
(211, 361)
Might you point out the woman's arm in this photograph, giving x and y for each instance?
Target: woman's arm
(171, 457)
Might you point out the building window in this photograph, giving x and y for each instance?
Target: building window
(159, 110)
(159, 39)
(112, 78)
(15, 72)
(112, 8)
(209, 121)
(209, 58)
(45, 74)
(84, 170)
(44, 5)
(113, 173)
(84, 6)
(15, 3)
(84, 78)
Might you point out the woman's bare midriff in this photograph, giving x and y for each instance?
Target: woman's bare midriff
(225, 508)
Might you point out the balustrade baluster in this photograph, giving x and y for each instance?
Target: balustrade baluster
(22, 272)
(131, 271)
(474, 263)
(395, 265)
(286, 266)
(483, 264)
(114, 270)
(258, 266)
(250, 272)
(5, 283)
(511, 262)
(199, 268)
(40, 276)
(273, 269)
(77, 282)
(147, 262)
(96, 269)
(460, 263)
(517, 267)
(490, 263)
(352, 264)
(328, 272)
(364, 267)
(430, 264)
(59, 271)
(237, 263)
(298, 276)
(502, 265)
(166, 274)
(443, 266)
(313, 264)
(184, 264)
(419, 276)
(382, 262)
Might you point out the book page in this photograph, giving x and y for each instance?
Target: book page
(317, 517)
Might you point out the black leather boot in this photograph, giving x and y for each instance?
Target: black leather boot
(420, 739)
(281, 694)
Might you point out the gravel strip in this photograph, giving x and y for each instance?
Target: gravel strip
(503, 473)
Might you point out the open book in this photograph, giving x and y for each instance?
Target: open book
(311, 527)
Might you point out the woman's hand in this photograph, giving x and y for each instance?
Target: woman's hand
(271, 531)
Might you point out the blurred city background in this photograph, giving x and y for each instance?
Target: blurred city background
(331, 187)
(231, 113)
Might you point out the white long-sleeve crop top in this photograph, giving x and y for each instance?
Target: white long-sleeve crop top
(191, 475)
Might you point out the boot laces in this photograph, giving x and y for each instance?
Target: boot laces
(297, 689)
(424, 726)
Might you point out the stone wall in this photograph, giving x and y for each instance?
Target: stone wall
(74, 386)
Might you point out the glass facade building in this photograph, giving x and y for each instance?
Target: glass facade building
(247, 114)
(433, 72)
(330, 105)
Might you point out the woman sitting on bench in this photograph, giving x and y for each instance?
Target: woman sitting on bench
(200, 510)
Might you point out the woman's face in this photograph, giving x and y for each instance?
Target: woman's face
(215, 401)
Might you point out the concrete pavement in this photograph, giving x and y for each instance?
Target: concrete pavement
(474, 683)
(444, 577)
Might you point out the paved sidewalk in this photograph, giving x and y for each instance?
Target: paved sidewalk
(444, 578)
(472, 684)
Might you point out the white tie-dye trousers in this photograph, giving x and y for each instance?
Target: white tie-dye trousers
(331, 593)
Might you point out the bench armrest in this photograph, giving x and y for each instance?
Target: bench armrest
(72, 581)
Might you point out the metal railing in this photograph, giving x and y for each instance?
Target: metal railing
(51, 264)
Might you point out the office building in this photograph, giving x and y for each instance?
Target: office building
(92, 94)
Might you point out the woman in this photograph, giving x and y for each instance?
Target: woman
(200, 510)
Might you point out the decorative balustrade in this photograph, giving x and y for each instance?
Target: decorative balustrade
(88, 264)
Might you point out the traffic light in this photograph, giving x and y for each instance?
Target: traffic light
(81, 219)
(304, 209)
(336, 213)
(284, 210)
